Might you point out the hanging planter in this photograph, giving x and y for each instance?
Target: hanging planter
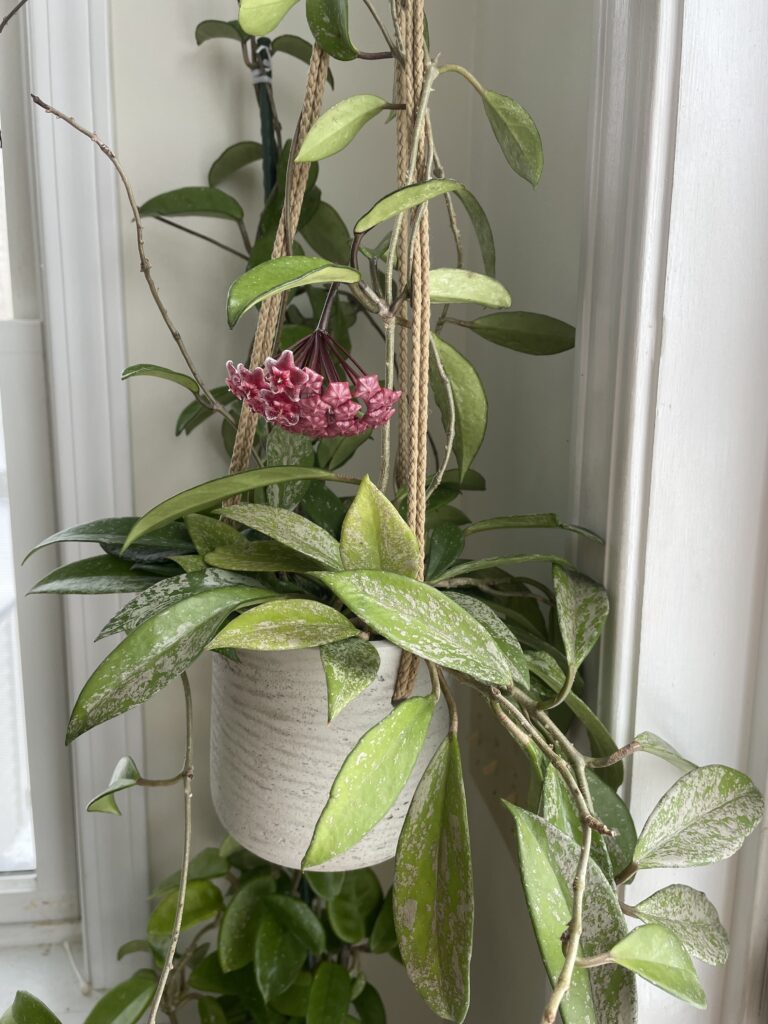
(275, 755)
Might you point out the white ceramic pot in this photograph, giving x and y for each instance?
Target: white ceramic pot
(274, 756)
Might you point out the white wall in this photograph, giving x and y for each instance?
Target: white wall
(177, 107)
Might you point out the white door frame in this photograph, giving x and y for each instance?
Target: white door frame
(671, 421)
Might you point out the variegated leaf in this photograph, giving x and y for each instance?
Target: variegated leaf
(611, 809)
(260, 556)
(287, 449)
(283, 626)
(291, 530)
(656, 954)
(350, 667)
(556, 805)
(208, 533)
(500, 632)
(653, 744)
(694, 920)
(125, 775)
(375, 536)
(582, 608)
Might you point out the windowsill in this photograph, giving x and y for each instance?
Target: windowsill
(46, 972)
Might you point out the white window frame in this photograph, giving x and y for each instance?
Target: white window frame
(75, 196)
(671, 423)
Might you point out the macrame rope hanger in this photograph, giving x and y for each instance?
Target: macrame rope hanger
(413, 267)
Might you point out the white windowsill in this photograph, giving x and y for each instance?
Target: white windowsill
(47, 973)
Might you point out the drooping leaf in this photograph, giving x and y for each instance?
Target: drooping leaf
(280, 275)
(375, 536)
(194, 201)
(279, 956)
(501, 633)
(237, 935)
(548, 860)
(329, 995)
(297, 47)
(517, 135)
(137, 946)
(283, 626)
(703, 818)
(406, 198)
(694, 920)
(168, 540)
(233, 159)
(352, 914)
(125, 775)
(337, 127)
(152, 370)
(531, 333)
(469, 402)
(383, 936)
(500, 562)
(291, 530)
(370, 780)
(213, 29)
(297, 918)
(203, 901)
(534, 521)
(327, 233)
(28, 1009)
(421, 619)
(482, 227)
(211, 494)
(350, 667)
(260, 17)
(123, 1004)
(103, 574)
(370, 1006)
(260, 556)
(612, 811)
(582, 608)
(452, 284)
(325, 884)
(286, 449)
(329, 23)
(432, 894)
(653, 744)
(152, 655)
(208, 533)
(656, 954)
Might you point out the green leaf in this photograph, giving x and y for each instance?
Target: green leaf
(152, 655)
(611, 809)
(206, 864)
(703, 818)
(548, 860)
(517, 135)
(656, 954)
(260, 556)
(469, 402)
(125, 1003)
(291, 530)
(232, 159)
(352, 914)
(420, 619)
(237, 935)
(203, 901)
(335, 129)
(195, 201)
(103, 574)
(329, 23)
(451, 284)
(297, 918)
(330, 995)
(432, 892)
(370, 1007)
(690, 915)
(297, 47)
(531, 333)
(125, 775)
(556, 805)
(283, 626)
(375, 536)
(501, 633)
(407, 198)
(333, 452)
(280, 275)
(482, 228)
(532, 521)
(582, 608)
(211, 494)
(446, 542)
(208, 976)
(213, 29)
(259, 17)
(279, 957)
(327, 233)
(210, 1011)
(383, 935)
(151, 370)
(295, 1000)
(172, 539)
(28, 1009)
(323, 507)
(286, 449)
(350, 667)
(137, 946)
(325, 884)
(208, 533)
(653, 744)
(370, 780)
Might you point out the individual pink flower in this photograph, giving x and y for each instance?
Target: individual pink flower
(316, 389)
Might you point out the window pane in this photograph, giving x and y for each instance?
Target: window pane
(17, 843)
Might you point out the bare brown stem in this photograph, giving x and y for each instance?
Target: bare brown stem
(615, 757)
(11, 14)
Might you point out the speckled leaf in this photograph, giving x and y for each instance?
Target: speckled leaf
(260, 17)
(123, 1004)
(406, 198)
(203, 901)
(350, 667)
(556, 806)
(280, 275)
(330, 995)
(103, 574)
(690, 915)
(28, 1009)
(611, 809)
(582, 608)
(653, 744)
(160, 543)
(500, 632)
(432, 893)
(335, 129)
(208, 533)
(370, 780)
(421, 619)
(284, 625)
(703, 818)
(194, 201)
(656, 954)
(548, 860)
(233, 159)
(286, 449)
(470, 406)
(125, 775)
(278, 956)
(260, 556)
(352, 913)
(152, 655)
(375, 536)
(237, 935)
(291, 530)
(516, 134)
(452, 284)
(329, 23)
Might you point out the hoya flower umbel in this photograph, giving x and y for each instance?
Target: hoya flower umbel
(316, 389)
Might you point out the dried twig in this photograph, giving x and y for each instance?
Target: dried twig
(14, 10)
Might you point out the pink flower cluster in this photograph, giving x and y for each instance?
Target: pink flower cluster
(296, 397)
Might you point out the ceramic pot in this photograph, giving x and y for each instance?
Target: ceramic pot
(274, 756)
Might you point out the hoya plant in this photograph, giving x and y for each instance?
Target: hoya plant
(286, 553)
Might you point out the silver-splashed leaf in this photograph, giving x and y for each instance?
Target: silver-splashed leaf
(690, 915)
(350, 667)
